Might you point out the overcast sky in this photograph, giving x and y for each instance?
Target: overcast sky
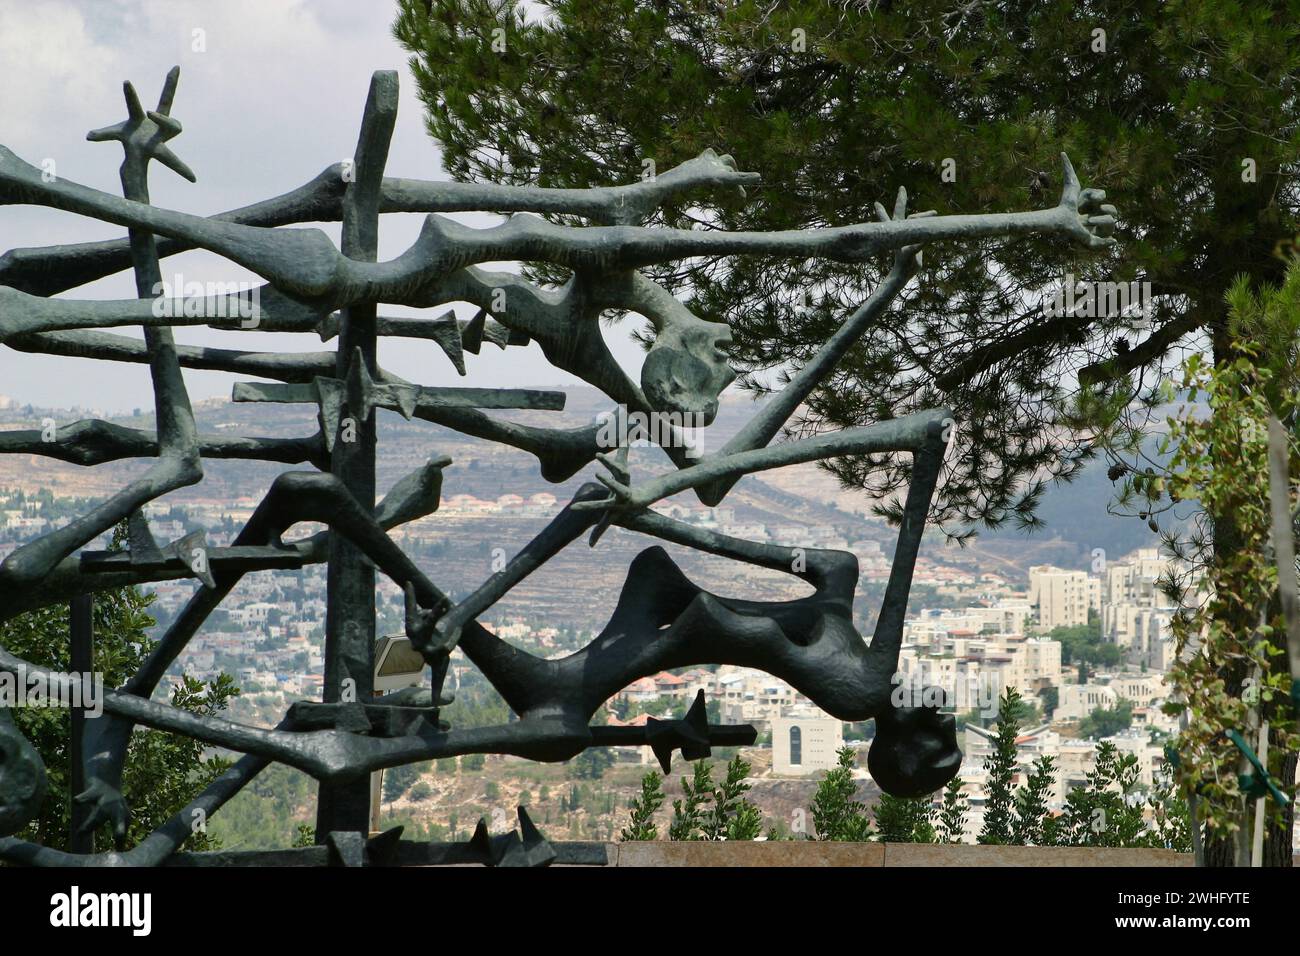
(274, 98)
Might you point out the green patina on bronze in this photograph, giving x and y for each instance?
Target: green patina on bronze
(660, 620)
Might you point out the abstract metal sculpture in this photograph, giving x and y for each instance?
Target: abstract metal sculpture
(661, 620)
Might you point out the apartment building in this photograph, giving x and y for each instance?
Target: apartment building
(1062, 598)
(974, 669)
(1135, 615)
(753, 697)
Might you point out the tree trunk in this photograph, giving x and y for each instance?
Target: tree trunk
(1277, 839)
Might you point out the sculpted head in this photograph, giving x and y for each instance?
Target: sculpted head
(686, 369)
(22, 779)
(915, 751)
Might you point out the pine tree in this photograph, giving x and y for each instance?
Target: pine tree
(1032, 824)
(904, 820)
(990, 97)
(398, 780)
(1106, 810)
(592, 763)
(952, 814)
(1184, 113)
(1000, 766)
(836, 815)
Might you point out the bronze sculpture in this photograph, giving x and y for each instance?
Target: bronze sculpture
(661, 620)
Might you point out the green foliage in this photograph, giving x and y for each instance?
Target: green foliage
(710, 812)
(656, 707)
(836, 814)
(163, 772)
(1000, 765)
(641, 825)
(271, 812)
(397, 780)
(1161, 119)
(779, 831)
(477, 704)
(413, 829)
(1171, 818)
(1230, 636)
(732, 817)
(952, 813)
(592, 763)
(1107, 721)
(1032, 825)
(905, 820)
(1107, 810)
(688, 813)
(421, 792)
(1084, 644)
(1051, 698)
(471, 763)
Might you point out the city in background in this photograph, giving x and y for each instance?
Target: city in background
(1083, 636)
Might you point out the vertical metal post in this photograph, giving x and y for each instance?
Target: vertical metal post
(1261, 805)
(350, 617)
(1288, 584)
(82, 664)
(376, 789)
(1279, 486)
(376, 799)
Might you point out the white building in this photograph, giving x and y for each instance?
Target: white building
(1062, 598)
(805, 744)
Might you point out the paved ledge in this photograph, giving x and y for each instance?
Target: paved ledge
(921, 854)
(773, 853)
(817, 853)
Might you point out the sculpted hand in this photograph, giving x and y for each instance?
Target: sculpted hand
(1089, 221)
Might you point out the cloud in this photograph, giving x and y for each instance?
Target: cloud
(49, 58)
(270, 94)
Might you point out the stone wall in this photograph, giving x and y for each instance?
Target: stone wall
(817, 853)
